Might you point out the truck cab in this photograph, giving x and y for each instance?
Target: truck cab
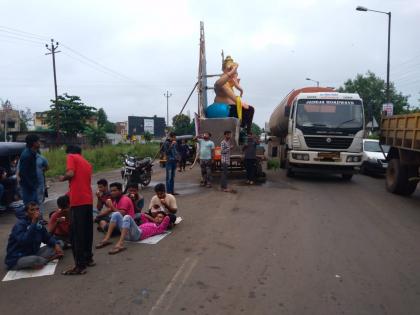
(322, 133)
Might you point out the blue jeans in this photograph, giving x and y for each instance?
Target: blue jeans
(126, 222)
(170, 176)
(29, 194)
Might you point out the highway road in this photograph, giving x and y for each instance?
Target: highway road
(307, 245)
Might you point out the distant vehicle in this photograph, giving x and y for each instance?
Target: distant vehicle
(318, 130)
(136, 170)
(9, 152)
(402, 134)
(374, 159)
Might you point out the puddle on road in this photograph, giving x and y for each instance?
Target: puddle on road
(183, 188)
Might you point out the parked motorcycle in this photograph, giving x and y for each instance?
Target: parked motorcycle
(136, 170)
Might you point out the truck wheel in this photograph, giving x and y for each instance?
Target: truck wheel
(397, 176)
(346, 176)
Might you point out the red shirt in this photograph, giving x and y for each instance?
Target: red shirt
(63, 228)
(80, 192)
(125, 203)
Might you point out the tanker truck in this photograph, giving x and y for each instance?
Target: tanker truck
(318, 130)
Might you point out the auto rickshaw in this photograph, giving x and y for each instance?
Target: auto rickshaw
(9, 156)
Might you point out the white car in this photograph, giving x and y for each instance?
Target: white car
(374, 159)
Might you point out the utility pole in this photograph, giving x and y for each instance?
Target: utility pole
(53, 51)
(167, 95)
(6, 107)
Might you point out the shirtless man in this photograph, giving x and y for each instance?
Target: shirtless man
(225, 93)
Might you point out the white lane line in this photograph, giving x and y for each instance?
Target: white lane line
(162, 301)
(184, 279)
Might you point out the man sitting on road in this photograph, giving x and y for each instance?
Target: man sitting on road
(165, 201)
(102, 194)
(24, 249)
(136, 198)
(118, 203)
(59, 224)
(130, 231)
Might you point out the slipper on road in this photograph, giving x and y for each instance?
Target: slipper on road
(74, 271)
(103, 244)
(117, 250)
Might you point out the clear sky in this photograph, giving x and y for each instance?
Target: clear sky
(145, 48)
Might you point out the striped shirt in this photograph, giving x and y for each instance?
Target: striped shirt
(225, 151)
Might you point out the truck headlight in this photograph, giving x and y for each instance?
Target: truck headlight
(300, 156)
(353, 159)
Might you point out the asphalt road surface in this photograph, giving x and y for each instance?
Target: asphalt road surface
(307, 245)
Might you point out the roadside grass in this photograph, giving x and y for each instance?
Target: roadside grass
(103, 158)
(273, 164)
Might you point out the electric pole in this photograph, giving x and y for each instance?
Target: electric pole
(6, 107)
(167, 95)
(53, 51)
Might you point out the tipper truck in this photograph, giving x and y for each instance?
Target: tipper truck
(318, 130)
(402, 134)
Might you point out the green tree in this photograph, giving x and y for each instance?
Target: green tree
(72, 115)
(104, 123)
(182, 125)
(96, 136)
(372, 90)
(25, 117)
(256, 130)
(148, 136)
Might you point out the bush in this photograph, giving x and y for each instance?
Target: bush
(104, 158)
(273, 164)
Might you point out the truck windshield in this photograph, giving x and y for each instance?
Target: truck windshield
(335, 114)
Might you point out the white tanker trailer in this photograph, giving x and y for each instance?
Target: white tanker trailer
(318, 130)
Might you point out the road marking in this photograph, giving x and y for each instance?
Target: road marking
(166, 299)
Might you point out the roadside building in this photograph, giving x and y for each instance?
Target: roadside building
(40, 121)
(139, 125)
(9, 119)
(121, 128)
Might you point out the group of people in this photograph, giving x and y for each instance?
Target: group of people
(71, 225)
(206, 156)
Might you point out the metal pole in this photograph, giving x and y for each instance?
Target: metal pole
(53, 51)
(388, 97)
(5, 124)
(167, 95)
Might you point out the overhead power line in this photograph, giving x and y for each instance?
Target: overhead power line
(16, 34)
(14, 30)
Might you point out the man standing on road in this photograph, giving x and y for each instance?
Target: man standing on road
(206, 158)
(169, 148)
(79, 174)
(41, 168)
(250, 159)
(226, 146)
(27, 170)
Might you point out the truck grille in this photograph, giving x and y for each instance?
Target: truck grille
(328, 142)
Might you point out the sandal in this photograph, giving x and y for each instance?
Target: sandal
(103, 244)
(91, 263)
(56, 256)
(117, 250)
(74, 271)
